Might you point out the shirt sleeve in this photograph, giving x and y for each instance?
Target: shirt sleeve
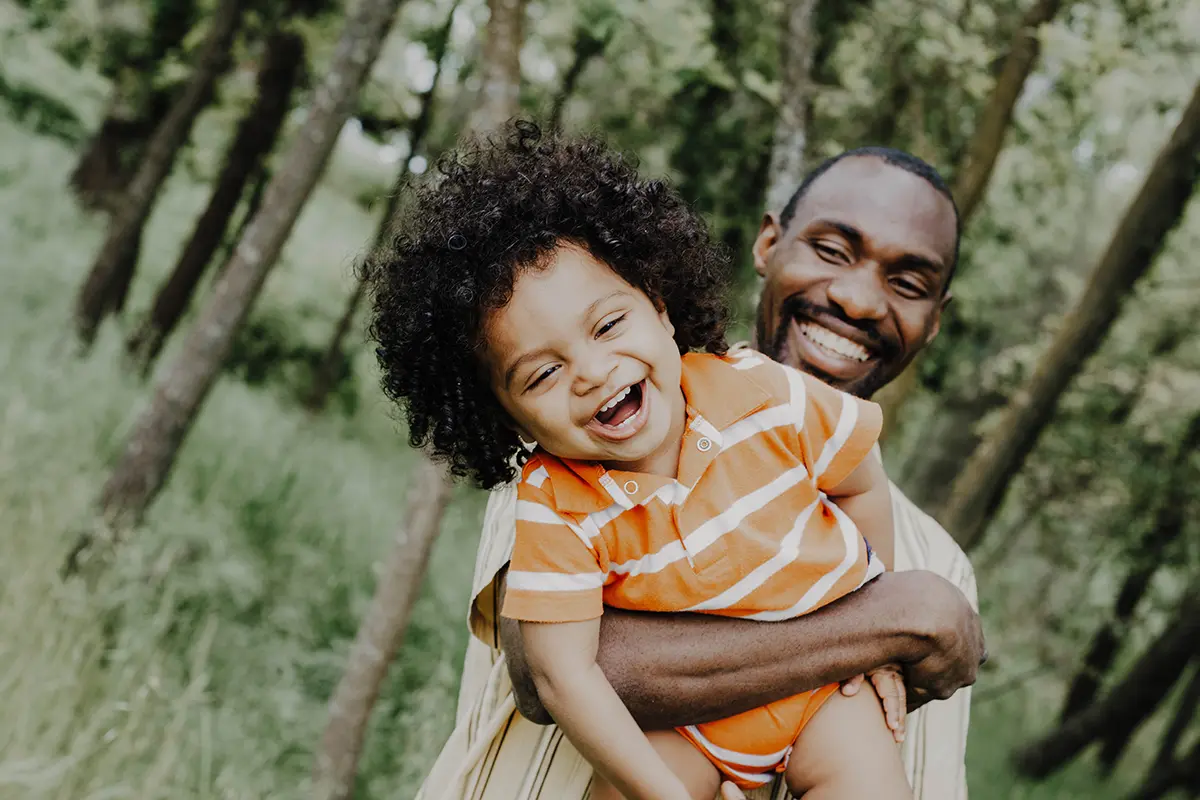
(838, 429)
(556, 573)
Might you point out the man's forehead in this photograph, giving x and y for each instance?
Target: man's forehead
(882, 201)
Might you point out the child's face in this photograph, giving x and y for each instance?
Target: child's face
(586, 365)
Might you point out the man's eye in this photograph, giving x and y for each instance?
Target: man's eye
(909, 287)
(608, 326)
(546, 373)
(830, 253)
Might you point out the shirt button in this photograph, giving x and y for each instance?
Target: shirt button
(705, 444)
(630, 487)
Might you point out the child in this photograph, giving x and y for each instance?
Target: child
(541, 292)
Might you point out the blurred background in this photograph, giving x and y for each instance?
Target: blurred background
(201, 483)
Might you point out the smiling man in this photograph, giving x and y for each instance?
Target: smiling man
(856, 271)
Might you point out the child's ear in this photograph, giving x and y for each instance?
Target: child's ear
(665, 319)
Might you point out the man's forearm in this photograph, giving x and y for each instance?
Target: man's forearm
(685, 669)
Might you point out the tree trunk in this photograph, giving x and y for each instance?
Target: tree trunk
(1184, 773)
(96, 296)
(501, 73)
(102, 171)
(791, 127)
(1129, 703)
(1180, 722)
(1147, 557)
(973, 177)
(282, 63)
(337, 760)
(1155, 211)
(380, 634)
(152, 446)
(327, 369)
(586, 48)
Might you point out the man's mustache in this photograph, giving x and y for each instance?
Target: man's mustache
(800, 307)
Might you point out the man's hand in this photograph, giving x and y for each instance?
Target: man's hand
(953, 638)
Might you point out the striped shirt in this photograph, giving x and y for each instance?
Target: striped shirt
(744, 530)
(494, 753)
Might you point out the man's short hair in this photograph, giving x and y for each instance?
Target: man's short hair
(888, 155)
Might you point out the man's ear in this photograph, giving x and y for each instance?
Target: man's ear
(936, 327)
(769, 234)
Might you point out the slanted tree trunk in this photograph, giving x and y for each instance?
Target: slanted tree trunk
(1147, 556)
(1155, 211)
(791, 127)
(282, 64)
(381, 632)
(334, 358)
(1184, 773)
(972, 178)
(1130, 701)
(1184, 714)
(159, 430)
(337, 760)
(586, 47)
(96, 298)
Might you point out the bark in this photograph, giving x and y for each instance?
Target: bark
(586, 48)
(282, 63)
(1179, 723)
(380, 634)
(791, 127)
(158, 432)
(501, 73)
(988, 139)
(327, 370)
(1147, 557)
(1155, 211)
(97, 294)
(102, 171)
(1184, 773)
(1129, 702)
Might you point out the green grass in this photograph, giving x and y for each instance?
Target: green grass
(200, 665)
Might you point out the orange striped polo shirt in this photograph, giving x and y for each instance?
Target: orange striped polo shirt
(744, 530)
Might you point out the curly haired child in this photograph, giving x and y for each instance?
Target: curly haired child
(539, 292)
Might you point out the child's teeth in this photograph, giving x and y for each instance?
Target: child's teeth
(616, 399)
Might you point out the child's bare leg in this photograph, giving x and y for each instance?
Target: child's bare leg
(697, 773)
(847, 752)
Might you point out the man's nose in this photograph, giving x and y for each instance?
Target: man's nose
(860, 293)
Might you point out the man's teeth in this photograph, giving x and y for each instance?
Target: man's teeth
(833, 342)
(611, 403)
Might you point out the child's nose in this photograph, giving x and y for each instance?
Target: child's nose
(593, 373)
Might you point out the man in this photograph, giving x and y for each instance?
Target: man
(855, 273)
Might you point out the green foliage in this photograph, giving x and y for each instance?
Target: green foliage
(42, 113)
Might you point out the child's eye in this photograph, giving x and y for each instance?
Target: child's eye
(608, 326)
(546, 373)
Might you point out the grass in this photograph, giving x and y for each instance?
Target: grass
(200, 665)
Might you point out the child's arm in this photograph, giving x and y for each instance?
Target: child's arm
(867, 499)
(562, 660)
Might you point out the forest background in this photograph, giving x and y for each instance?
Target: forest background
(212, 525)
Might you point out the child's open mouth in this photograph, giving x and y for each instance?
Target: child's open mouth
(623, 415)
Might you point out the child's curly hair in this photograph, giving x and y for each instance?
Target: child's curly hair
(498, 207)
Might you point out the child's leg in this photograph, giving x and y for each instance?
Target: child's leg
(697, 772)
(846, 752)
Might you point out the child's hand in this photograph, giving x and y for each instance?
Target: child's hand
(889, 685)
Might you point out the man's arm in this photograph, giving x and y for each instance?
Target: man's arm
(685, 669)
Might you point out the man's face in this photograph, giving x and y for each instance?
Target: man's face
(855, 286)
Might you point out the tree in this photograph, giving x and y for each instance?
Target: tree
(1154, 212)
(593, 32)
(337, 760)
(973, 176)
(1148, 554)
(1129, 702)
(136, 106)
(381, 632)
(103, 290)
(282, 64)
(790, 143)
(327, 369)
(160, 429)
